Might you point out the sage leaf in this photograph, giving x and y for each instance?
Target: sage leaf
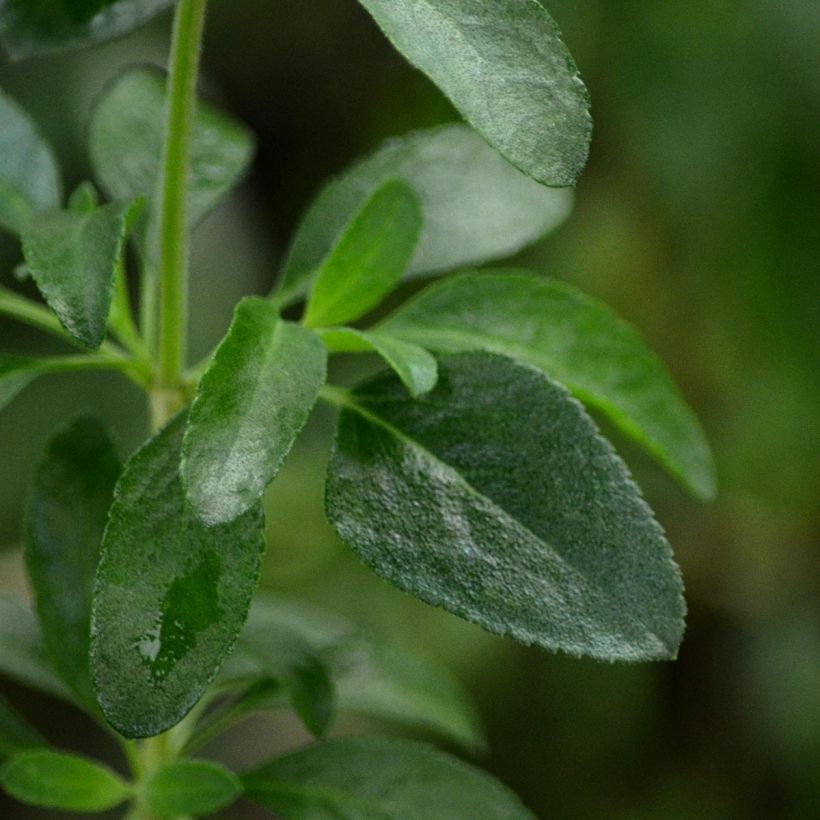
(171, 594)
(377, 779)
(574, 339)
(250, 406)
(68, 510)
(189, 787)
(495, 498)
(368, 259)
(503, 65)
(55, 780)
(29, 176)
(476, 206)
(15, 733)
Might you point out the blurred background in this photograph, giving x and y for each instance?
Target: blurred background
(698, 219)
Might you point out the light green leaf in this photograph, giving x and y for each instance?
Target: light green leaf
(84, 198)
(251, 404)
(575, 340)
(54, 780)
(189, 787)
(68, 510)
(476, 206)
(171, 594)
(368, 259)
(375, 779)
(29, 176)
(495, 498)
(503, 65)
(15, 733)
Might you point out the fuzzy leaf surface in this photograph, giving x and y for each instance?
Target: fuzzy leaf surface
(189, 787)
(15, 732)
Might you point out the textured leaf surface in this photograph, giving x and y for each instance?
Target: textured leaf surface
(189, 787)
(495, 497)
(15, 732)
(171, 594)
(251, 404)
(504, 66)
(476, 206)
(576, 340)
(370, 779)
(29, 177)
(368, 259)
(68, 510)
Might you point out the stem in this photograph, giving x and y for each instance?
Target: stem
(121, 320)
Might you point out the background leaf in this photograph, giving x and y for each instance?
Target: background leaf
(188, 787)
(15, 732)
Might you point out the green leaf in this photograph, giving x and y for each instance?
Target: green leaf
(495, 498)
(503, 65)
(55, 780)
(476, 206)
(15, 732)
(251, 404)
(417, 369)
(84, 198)
(369, 257)
(29, 176)
(374, 779)
(575, 340)
(126, 139)
(72, 256)
(171, 594)
(32, 27)
(189, 787)
(68, 510)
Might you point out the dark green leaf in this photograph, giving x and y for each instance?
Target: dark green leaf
(576, 340)
(476, 206)
(374, 779)
(503, 65)
(171, 594)
(15, 732)
(73, 490)
(188, 787)
(29, 177)
(495, 497)
(368, 259)
(61, 781)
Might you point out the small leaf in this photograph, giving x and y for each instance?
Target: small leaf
(476, 206)
(503, 65)
(575, 340)
(375, 779)
(29, 176)
(15, 732)
(84, 198)
(68, 510)
(171, 594)
(368, 259)
(495, 498)
(55, 780)
(189, 787)
(251, 404)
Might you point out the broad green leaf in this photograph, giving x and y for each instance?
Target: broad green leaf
(72, 256)
(251, 404)
(495, 498)
(376, 779)
(29, 177)
(126, 138)
(189, 787)
(503, 65)
(575, 340)
(369, 258)
(68, 510)
(15, 732)
(54, 780)
(171, 594)
(476, 206)
(417, 369)
(32, 27)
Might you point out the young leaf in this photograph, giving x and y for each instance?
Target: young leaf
(575, 340)
(476, 206)
(15, 732)
(68, 510)
(72, 256)
(251, 404)
(189, 787)
(84, 198)
(496, 498)
(54, 780)
(368, 259)
(29, 177)
(504, 66)
(171, 594)
(375, 779)
(417, 369)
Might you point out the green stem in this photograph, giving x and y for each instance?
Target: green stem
(121, 320)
